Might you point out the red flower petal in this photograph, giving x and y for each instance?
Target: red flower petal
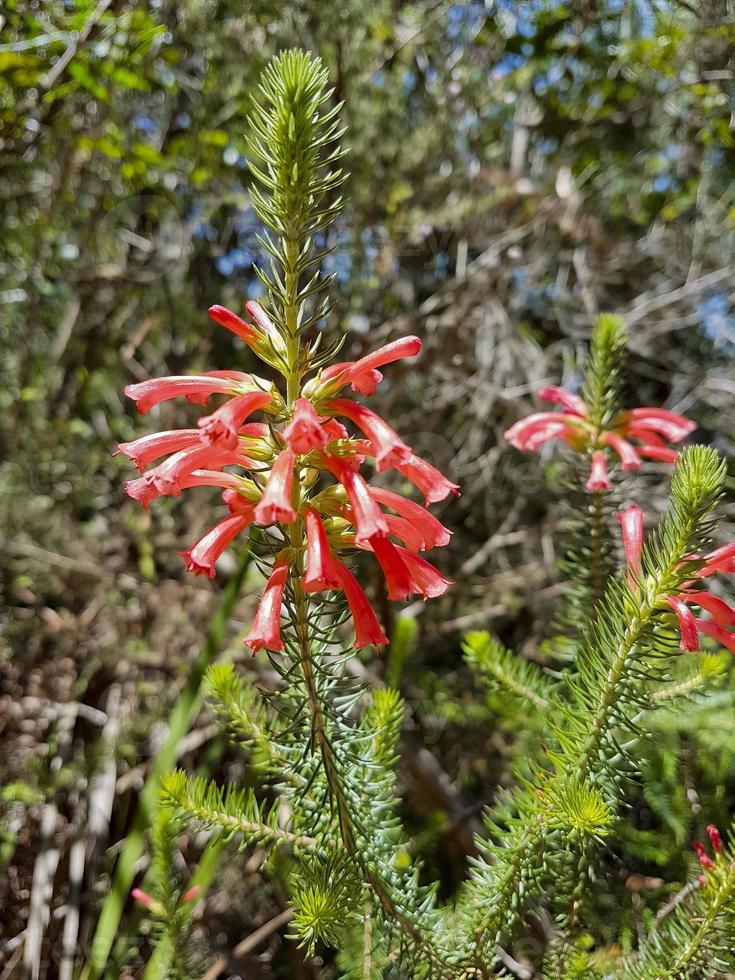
(321, 568)
(275, 506)
(433, 484)
(687, 624)
(202, 556)
(266, 628)
(598, 480)
(367, 628)
(390, 449)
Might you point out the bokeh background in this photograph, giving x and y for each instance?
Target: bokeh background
(516, 169)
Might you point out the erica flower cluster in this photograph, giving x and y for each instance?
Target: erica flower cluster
(297, 470)
(722, 560)
(634, 435)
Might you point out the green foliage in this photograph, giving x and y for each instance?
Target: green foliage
(506, 671)
(601, 388)
(698, 937)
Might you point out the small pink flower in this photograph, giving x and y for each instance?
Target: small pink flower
(433, 484)
(367, 628)
(221, 427)
(714, 836)
(305, 431)
(390, 449)
(531, 433)
(598, 480)
(670, 425)
(321, 568)
(191, 893)
(202, 556)
(560, 396)
(275, 506)
(143, 898)
(704, 859)
(266, 629)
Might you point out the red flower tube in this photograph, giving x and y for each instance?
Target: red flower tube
(221, 427)
(433, 484)
(598, 479)
(687, 624)
(395, 570)
(629, 458)
(631, 521)
(275, 506)
(202, 556)
(305, 432)
(425, 579)
(232, 322)
(432, 531)
(560, 396)
(670, 425)
(321, 569)
(266, 629)
(532, 432)
(367, 628)
(704, 859)
(390, 449)
(363, 375)
(144, 450)
(146, 394)
(368, 517)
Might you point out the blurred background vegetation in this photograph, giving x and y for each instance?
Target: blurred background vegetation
(516, 168)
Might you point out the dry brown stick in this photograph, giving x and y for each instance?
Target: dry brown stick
(248, 944)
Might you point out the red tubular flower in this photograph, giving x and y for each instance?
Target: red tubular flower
(143, 898)
(714, 836)
(433, 484)
(231, 321)
(363, 375)
(202, 556)
(687, 624)
(146, 394)
(390, 449)
(560, 396)
(305, 432)
(722, 613)
(368, 517)
(167, 478)
(425, 579)
(432, 531)
(717, 632)
(191, 893)
(532, 432)
(221, 427)
(266, 629)
(629, 458)
(670, 425)
(197, 457)
(395, 570)
(144, 450)
(275, 506)
(631, 521)
(321, 568)
(367, 628)
(399, 527)
(598, 480)
(720, 560)
(144, 491)
(704, 859)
